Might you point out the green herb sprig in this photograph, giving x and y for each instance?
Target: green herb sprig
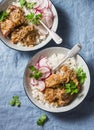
(81, 75)
(42, 120)
(3, 15)
(27, 4)
(34, 18)
(35, 73)
(30, 5)
(71, 88)
(22, 2)
(15, 101)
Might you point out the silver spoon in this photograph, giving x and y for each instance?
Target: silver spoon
(55, 36)
(70, 54)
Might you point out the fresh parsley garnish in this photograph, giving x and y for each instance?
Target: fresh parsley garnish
(71, 88)
(22, 2)
(30, 5)
(35, 73)
(34, 18)
(3, 15)
(81, 75)
(42, 120)
(15, 101)
(27, 4)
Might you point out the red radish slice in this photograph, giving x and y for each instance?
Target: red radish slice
(41, 85)
(41, 6)
(47, 12)
(49, 22)
(45, 71)
(43, 62)
(36, 65)
(46, 3)
(33, 81)
(49, 4)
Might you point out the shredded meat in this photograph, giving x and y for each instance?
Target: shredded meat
(17, 28)
(55, 91)
(30, 39)
(16, 15)
(54, 80)
(19, 34)
(6, 27)
(15, 18)
(58, 96)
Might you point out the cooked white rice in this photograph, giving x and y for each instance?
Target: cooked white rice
(53, 60)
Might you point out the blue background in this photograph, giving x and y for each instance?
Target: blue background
(76, 24)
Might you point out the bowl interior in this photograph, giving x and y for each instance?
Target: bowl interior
(48, 52)
(3, 6)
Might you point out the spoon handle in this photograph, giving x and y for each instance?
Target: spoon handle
(54, 35)
(70, 54)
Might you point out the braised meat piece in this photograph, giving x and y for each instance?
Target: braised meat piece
(49, 95)
(58, 96)
(15, 18)
(30, 39)
(19, 34)
(55, 91)
(55, 79)
(16, 14)
(6, 27)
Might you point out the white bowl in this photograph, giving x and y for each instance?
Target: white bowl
(7, 42)
(80, 97)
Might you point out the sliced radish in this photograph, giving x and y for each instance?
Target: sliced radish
(33, 81)
(45, 71)
(47, 12)
(43, 62)
(41, 85)
(49, 22)
(49, 4)
(41, 6)
(46, 3)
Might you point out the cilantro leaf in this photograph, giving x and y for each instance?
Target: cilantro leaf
(15, 97)
(71, 88)
(22, 2)
(35, 73)
(32, 68)
(15, 101)
(18, 103)
(30, 5)
(12, 102)
(34, 18)
(3, 15)
(81, 75)
(42, 120)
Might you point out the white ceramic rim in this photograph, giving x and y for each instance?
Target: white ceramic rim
(81, 96)
(43, 43)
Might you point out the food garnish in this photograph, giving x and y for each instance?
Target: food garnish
(34, 18)
(23, 2)
(15, 101)
(35, 73)
(3, 15)
(30, 5)
(19, 17)
(42, 120)
(81, 75)
(71, 88)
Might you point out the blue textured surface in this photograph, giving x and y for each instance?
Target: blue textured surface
(76, 24)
